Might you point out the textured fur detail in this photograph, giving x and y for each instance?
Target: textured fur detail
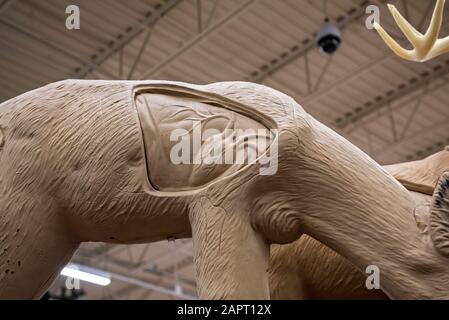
(306, 269)
(2, 138)
(73, 170)
(439, 218)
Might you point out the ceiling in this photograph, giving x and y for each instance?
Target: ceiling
(392, 109)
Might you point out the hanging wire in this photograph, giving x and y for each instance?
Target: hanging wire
(326, 13)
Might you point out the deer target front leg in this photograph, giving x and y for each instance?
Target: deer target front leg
(231, 258)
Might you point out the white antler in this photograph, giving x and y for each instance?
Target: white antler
(427, 46)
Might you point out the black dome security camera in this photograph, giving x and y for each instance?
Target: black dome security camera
(328, 38)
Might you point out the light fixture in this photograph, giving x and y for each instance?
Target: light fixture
(87, 274)
(328, 38)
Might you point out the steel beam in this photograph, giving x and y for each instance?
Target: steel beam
(424, 153)
(199, 15)
(50, 45)
(308, 76)
(405, 139)
(351, 122)
(198, 39)
(139, 54)
(120, 64)
(405, 104)
(211, 14)
(416, 107)
(322, 73)
(120, 43)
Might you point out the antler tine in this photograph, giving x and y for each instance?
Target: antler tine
(413, 35)
(401, 52)
(427, 46)
(435, 24)
(441, 47)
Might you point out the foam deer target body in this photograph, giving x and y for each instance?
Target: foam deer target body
(307, 269)
(86, 160)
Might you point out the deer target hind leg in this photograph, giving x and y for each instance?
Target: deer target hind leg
(231, 258)
(34, 244)
(286, 282)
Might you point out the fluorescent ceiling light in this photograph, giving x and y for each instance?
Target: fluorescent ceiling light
(87, 274)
